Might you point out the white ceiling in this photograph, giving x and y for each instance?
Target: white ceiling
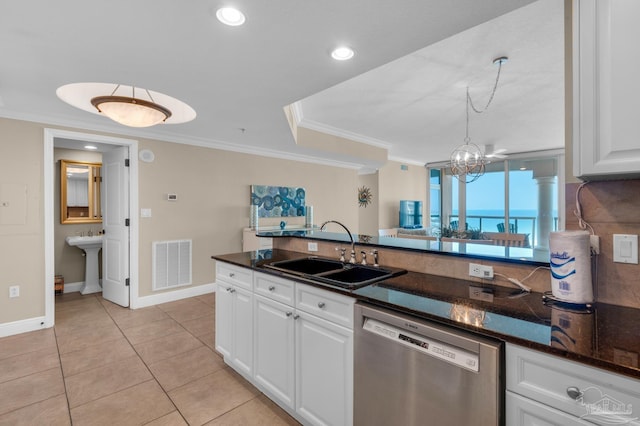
(405, 87)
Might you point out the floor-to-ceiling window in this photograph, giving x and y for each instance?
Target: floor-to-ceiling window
(517, 195)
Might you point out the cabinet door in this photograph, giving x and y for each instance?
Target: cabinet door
(603, 396)
(606, 88)
(273, 349)
(522, 411)
(224, 308)
(242, 331)
(324, 371)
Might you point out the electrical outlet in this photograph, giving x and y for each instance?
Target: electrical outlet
(14, 291)
(480, 271)
(312, 246)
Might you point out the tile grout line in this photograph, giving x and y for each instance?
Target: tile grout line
(154, 378)
(64, 382)
(182, 327)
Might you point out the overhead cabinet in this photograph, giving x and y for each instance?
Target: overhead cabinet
(606, 89)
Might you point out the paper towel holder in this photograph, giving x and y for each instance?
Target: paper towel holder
(549, 299)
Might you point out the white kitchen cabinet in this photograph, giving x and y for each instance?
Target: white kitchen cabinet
(324, 371)
(234, 316)
(526, 412)
(606, 89)
(274, 349)
(566, 389)
(224, 318)
(303, 353)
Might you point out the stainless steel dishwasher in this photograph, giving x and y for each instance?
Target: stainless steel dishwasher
(410, 371)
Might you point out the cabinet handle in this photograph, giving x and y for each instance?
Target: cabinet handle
(295, 317)
(231, 275)
(272, 287)
(228, 289)
(573, 392)
(232, 290)
(321, 305)
(288, 314)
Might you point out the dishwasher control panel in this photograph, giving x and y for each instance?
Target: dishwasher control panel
(432, 347)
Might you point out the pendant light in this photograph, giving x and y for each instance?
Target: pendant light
(468, 161)
(131, 111)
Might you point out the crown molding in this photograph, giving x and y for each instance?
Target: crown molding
(180, 139)
(298, 115)
(410, 161)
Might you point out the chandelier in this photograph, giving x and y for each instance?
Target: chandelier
(131, 111)
(468, 161)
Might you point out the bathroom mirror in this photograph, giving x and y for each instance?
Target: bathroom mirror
(80, 192)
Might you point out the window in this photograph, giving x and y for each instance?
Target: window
(435, 197)
(518, 195)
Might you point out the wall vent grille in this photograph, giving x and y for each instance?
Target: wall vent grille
(171, 264)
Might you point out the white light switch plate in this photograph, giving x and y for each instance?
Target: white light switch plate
(625, 248)
(145, 212)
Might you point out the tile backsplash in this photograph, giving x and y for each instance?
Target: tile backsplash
(610, 207)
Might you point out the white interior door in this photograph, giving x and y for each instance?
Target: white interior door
(115, 215)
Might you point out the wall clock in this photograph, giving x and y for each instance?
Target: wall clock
(364, 196)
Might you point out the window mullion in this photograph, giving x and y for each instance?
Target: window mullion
(507, 227)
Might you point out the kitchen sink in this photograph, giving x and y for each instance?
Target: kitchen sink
(307, 265)
(333, 272)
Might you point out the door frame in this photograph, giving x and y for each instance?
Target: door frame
(49, 216)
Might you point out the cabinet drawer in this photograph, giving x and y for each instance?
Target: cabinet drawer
(525, 412)
(549, 379)
(325, 304)
(233, 274)
(278, 289)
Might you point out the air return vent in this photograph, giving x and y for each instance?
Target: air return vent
(171, 264)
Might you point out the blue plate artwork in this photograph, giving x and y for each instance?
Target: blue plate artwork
(278, 201)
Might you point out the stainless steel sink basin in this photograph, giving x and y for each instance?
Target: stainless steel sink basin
(333, 272)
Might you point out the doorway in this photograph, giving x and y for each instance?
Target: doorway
(53, 138)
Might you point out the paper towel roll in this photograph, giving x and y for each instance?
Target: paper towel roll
(570, 261)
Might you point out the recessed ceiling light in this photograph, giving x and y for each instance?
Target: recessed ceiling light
(230, 16)
(90, 147)
(342, 53)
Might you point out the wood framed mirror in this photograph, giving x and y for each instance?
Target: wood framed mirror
(80, 192)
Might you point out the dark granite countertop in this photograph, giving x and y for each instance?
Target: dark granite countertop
(607, 336)
(467, 249)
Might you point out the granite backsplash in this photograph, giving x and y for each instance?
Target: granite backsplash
(610, 207)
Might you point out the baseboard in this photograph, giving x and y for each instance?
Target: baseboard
(22, 326)
(72, 287)
(172, 296)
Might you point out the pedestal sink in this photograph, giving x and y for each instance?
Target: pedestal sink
(91, 246)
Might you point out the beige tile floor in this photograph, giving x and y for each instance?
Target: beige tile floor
(106, 365)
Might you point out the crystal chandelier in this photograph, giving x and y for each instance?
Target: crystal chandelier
(468, 161)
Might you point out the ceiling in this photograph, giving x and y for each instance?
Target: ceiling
(404, 90)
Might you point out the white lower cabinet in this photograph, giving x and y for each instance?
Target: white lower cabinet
(527, 412)
(274, 349)
(303, 361)
(234, 317)
(544, 389)
(324, 371)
